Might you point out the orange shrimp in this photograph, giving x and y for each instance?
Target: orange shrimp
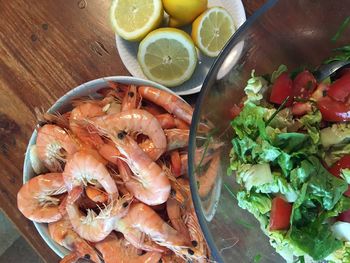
(139, 121)
(54, 145)
(176, 139)
(130, 98)
(166, 120)
(181, 124)
(96, 195)
(149, 183)
(93, 227)
(206, 181)
(83, 168)
(36, 199)
(84, 132)
(172, 258)
(171, 103)
(116, 250)
(109, 152)
(62, 233)
(141, 217)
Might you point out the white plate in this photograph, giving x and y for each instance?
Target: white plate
(128, 51)
(62, 105)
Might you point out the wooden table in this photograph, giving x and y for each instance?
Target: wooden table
(47, 47)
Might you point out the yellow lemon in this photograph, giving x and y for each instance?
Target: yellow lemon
(134, 19)
(167, 56)
(183, 12)
(212, 29)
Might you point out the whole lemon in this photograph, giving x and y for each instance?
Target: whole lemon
(183, 12)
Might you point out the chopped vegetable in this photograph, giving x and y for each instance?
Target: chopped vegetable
(280, 214)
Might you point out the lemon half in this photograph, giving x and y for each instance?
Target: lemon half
(134, 19)
(167, 56)
(212, 29)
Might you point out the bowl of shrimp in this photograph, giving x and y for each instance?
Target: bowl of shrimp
(105, 175)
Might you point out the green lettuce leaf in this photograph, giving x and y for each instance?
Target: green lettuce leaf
(345, 174)
(334, 153)
(341, 255)
(256, 86)
(312, 121)
(254, 175)
(342, 206)
(281, 69)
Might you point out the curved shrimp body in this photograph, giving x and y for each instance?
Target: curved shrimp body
(176, 139)
(36, 199)
(206, 181)
(54, 145)
(138, 121)
(76, 123)
(116, 250)
(83, 168)
(144, 219)
(168, 101)
(93, 227)
(150, 184)
(62, 233)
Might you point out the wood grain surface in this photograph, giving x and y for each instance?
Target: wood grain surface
(47, 47)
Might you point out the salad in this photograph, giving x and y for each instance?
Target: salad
(291, 158)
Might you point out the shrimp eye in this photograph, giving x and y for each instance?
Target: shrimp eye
(87, 256)
(125, 204)
(190, 251)
(172, 192)
(131, 94)
(194, 243)
(160, 261)
(121, 135)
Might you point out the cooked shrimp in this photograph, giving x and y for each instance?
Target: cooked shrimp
(54, 145)
(83, 168)
(85, 133)
(95, 194)
(141, 217)
(168, 101)
(61, 120)
(207, 179)
(109, 152)
(130, 98)
(63, 234)
(93, 227)
(138, 121)
(176, 139)
(116, 250)
(166, 120)
(36, 199)
(149, 183)
(172, 258)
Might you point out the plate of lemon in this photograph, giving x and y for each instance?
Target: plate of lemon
(174, 42)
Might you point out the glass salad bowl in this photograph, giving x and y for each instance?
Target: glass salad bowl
(298, 33)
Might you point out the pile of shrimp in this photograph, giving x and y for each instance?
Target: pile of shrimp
(112, 180)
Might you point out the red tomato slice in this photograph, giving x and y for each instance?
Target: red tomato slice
(235, 111)
(340, 89)
(175, 163)
(301, 108)
(333, 111)
(280, 214)
(304, 85)
(343, 163)
(344, 217)
(281, 89)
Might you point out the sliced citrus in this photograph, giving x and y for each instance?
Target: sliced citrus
(167, 56)
(134, 19)
(212, 29)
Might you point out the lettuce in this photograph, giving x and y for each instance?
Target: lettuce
(281, 69)
(256, 86)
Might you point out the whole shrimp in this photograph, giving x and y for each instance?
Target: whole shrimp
(93, 227)
(130, 98)
(83, 168)
(168, 101)
(207, 179)
(116, 250)
(62, 233)
(137, 121)
(149, 183)
(142, 218)
(54, 145)
(36, 199)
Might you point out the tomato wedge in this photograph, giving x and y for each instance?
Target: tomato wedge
(304, 85)
(333, 111)
(344, 217)
(280, 214)
(301, 108)
(281, 89)
(175, 161)
(343, 163)
(340, 89)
